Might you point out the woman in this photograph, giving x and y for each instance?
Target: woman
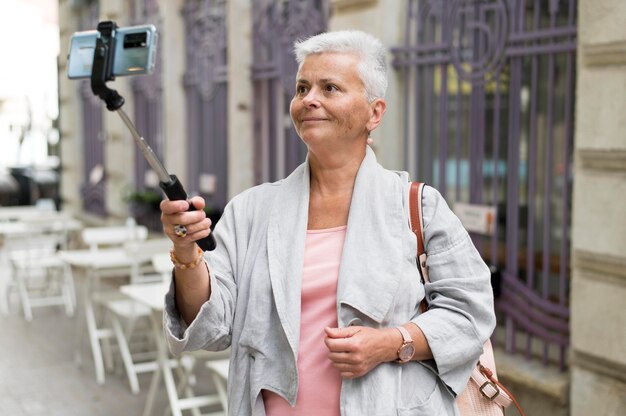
(314, 283)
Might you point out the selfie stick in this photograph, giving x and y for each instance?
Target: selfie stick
(101, 73)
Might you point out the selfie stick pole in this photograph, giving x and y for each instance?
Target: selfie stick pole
(101, 73)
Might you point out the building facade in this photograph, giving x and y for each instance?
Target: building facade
(513, 108)
(598, 294)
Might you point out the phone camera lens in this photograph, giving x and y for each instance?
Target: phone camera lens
(135, 40)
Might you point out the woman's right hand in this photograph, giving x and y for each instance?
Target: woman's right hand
(198, 226)
(193, 286)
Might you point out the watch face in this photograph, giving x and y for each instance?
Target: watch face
(406, 352)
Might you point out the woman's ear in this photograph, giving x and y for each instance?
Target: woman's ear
(378, 108)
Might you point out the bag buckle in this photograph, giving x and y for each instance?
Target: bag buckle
(493, 386)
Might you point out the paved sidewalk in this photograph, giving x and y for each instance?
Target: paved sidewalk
(38, 375)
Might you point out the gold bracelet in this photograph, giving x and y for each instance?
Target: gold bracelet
(186, 266)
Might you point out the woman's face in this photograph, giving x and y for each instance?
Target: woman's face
(330, 107)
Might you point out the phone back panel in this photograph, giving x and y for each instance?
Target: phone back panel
(135, 51)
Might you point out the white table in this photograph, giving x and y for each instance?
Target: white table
(96, 264)
(152, 295)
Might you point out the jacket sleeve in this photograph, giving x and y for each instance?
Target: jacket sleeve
(212, 327)
(461, 314)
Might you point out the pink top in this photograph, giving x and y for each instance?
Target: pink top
(319, 383)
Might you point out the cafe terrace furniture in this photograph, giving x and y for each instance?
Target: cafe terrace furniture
(125, 310)
(29, 262)
(94, 265)
(106, 258)
(152, 295)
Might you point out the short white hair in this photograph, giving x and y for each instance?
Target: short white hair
(367, 48)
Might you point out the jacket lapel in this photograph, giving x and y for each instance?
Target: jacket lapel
(285, 246)
(372, 252)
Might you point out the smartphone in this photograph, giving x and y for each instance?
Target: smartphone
(135, 51)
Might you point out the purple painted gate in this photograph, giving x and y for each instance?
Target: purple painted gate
(147, 94)
(489, 120)
(205, 83)
(94, 186)
(276, 25)
(148, 116)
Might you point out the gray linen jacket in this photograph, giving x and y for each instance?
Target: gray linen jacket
(255, 301)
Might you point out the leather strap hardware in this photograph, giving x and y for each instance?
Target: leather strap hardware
(493, 386)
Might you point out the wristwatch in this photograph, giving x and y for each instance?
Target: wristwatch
(407, 350)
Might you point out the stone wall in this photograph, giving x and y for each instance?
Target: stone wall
(69, 119)
(598, 292)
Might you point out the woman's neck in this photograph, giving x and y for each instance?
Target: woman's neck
(332, 182)
(334, 174)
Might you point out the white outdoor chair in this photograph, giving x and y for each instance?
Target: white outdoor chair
(129, 311)
(216, 362)
(152, 257)
(41, 276)
(116, 236)
(162, 264)
(112, 302)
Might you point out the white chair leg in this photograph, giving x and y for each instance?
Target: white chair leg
(187, 380)
(92, 329)
(4, 294)
(107, 353)
(219, 371)
(67, 292)
(79, 340)
(79, 330)
(220, 385)
(69, 280)
(154, 384)
(23, 292)
(184, 369)
(126, 356)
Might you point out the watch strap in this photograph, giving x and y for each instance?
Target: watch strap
(407, 349)
(406, 337)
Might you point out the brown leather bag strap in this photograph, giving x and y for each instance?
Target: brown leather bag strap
(415, 218)
(415, 196)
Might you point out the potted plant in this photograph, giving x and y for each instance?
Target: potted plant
(144, 207)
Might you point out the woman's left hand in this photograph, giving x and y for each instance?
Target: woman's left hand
(356, 350)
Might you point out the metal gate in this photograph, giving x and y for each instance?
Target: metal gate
(276, 25)
(148, 112)
(147, 97)
(205, 83)
(489, 94)
(93, 189)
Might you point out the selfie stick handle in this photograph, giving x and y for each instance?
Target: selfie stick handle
(169, 183)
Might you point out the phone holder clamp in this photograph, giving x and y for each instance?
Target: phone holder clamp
(103, 66)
